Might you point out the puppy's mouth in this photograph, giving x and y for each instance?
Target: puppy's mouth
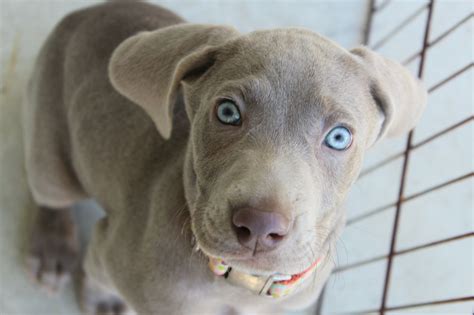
(263, 263)
(293, 257)
(287, 260)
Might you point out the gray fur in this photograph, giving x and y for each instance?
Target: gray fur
(120, 109)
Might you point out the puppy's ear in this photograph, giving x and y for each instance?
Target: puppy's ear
(147, 68)
(400, 96)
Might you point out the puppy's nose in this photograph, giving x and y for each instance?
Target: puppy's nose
(266, 228)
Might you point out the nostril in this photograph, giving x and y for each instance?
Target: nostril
(245, 236)
(271, 240)
(275, 237)
(243, 232)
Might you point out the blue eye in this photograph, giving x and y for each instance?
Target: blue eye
(228, 113)
(339, 138)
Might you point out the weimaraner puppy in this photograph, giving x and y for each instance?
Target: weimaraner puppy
(222, 159)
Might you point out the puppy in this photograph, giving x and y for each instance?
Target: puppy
(222, 159)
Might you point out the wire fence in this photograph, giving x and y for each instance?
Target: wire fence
(403, 197)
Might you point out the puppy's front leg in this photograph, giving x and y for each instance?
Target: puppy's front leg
(96, 298)
(97, 294)
(54, 248)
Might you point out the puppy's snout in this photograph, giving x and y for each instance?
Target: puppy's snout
(260, 228)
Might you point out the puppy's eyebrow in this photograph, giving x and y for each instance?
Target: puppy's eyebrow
(339, 117)
(244, 89)
(334, 112)
(231, 90)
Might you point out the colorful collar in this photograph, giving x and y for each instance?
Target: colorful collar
(272, 286)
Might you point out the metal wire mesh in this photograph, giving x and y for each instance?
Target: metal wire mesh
(410, 146)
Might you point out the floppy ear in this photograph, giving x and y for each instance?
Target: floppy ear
(399, 95)
(147, 68)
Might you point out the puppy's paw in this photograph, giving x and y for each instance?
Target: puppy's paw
(97, 300)
(53, 250)
(110, 306)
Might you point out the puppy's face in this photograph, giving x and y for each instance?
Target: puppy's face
(279, 131)
(280, 121)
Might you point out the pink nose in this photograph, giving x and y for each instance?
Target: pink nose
(255, 227)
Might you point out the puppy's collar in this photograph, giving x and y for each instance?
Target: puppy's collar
(272, 286)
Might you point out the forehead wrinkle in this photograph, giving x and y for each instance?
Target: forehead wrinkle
(287, 85)
(245, 87)
(333, 108)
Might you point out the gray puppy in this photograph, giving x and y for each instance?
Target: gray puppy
(198, 136)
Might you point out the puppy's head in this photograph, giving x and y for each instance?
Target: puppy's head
(280, 121)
